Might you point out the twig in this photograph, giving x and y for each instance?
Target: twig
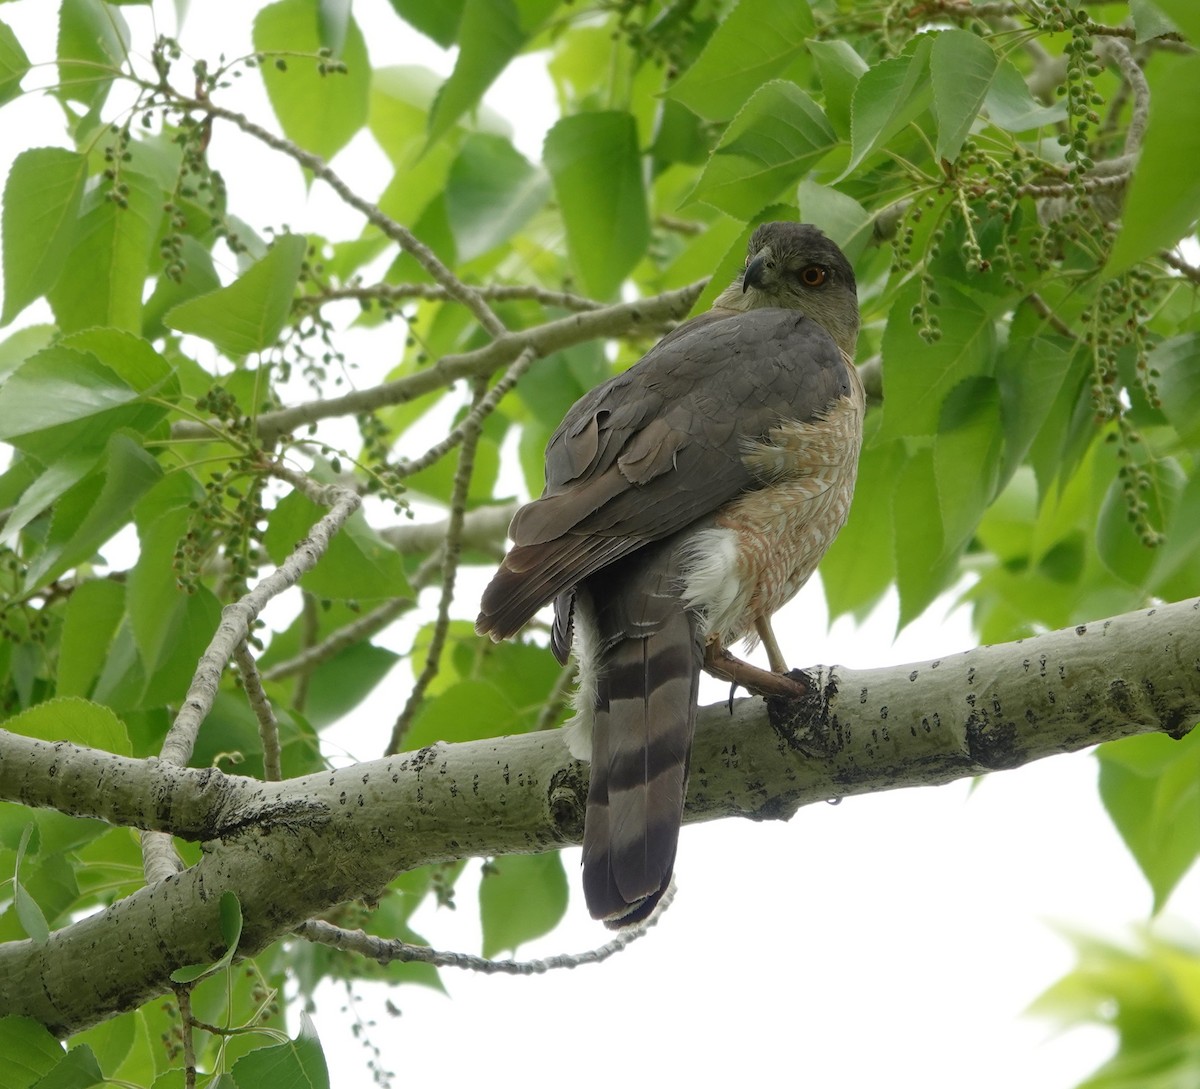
(497, 292)
(1049, 316)
(158, 855)
(268, 725)
(1180, 265)
(618, 320)
(483, 528)
(398, 233)
(388, 950)
(332, 645)
(1135, 80)
(474, 419)
(184, 998)
(472, 429)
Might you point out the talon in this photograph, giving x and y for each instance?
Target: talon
(723, 665)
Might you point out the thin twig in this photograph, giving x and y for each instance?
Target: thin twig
(483, 528)
(474, 419)
(398, 233)
(268, 725)
(388, 950)
(472, 429)
(332, 645)
(618, 320)
(187, 1022)
(1049, 316)
(496, 292)
(1180, 265)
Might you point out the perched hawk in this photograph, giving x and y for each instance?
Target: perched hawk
(686, 500)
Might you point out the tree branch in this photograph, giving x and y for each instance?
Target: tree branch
(345, 833)
(621, 319)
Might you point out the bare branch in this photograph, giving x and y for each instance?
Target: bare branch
(387, 950)
(340, 833)
(268, 726)
(471, 429)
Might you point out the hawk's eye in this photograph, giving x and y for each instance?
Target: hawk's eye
(813, 275)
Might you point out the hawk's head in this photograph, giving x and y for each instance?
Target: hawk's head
(793, 265)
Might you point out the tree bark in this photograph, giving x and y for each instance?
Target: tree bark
(292, 849)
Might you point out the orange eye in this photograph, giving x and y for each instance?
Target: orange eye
(813, 275)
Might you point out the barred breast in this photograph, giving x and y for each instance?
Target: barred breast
(763, 547)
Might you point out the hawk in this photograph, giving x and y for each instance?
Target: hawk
(686, 500)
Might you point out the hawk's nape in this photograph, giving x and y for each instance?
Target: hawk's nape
(686, 500)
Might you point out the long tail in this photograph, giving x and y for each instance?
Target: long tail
(645, 714)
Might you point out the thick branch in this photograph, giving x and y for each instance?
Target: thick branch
(291, 850)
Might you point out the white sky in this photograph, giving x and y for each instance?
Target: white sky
(890, 940)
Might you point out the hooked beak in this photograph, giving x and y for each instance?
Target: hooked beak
(753, 276)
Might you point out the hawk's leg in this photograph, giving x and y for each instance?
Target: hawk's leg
(774, 655)
(723, 665)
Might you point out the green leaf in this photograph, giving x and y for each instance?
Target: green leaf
(340, 684)
(13, 64)
(229, 915)
(1150, 786)
(28, 913)
(920, 576)
(1185, 15)
(30, 1052)
(320, 112)
(95, 36)
(1163, 200)
(594, 161)
(966, 459)
(1011, 106)
(778, 136)
(755, 42)
(41, 210)
(465, 711)
(521, 897)
(77, 1070)
(297, 1064)
(1178, 362)
(889, 96)
(359, 564)
(91, 512)
(918, 375)
(45, 490)
(491, 193)
(1148, 21)
(840, 217)
(104, 277)
(437, 21)
(961, 67)
(131, 358)
(1030, 371)
(170, 626)
(861, 563)
(839, 69)
(249, 314)
(93, 612)
(1120, 548)
(490, 34)
(76, 720)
